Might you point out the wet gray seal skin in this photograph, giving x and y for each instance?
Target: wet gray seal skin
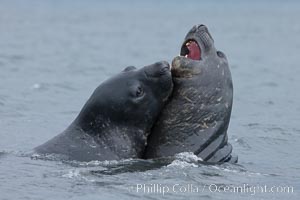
(116, 120)
(196, 117)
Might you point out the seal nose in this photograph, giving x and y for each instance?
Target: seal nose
(199, 27)
(158, 69)
(163, 66)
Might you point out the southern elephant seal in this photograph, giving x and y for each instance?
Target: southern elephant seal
(197, 115)
(116, 120)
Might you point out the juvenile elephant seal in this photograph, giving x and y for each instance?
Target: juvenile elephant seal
(196, 117)
(117, 118)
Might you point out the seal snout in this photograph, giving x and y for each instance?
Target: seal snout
(196, 43)
(158, 69)
(199, 27)
(164, 67)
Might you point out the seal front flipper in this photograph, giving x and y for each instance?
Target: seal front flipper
(224, 154)
(207, 151)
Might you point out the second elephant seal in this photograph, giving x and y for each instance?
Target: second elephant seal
(116, 120)
(197, 115)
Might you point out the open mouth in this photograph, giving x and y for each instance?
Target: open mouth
(190, 49)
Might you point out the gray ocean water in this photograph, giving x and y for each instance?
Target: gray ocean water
(53, 54)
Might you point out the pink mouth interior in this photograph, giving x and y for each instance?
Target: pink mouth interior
(194, 50)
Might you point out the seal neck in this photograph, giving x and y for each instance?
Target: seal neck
(124, 141)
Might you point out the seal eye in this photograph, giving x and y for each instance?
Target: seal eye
(139, 92)
(221, 54)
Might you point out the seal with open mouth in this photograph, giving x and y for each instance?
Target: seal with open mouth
(196, 117)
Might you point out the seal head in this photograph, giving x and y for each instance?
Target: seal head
(116, 120)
